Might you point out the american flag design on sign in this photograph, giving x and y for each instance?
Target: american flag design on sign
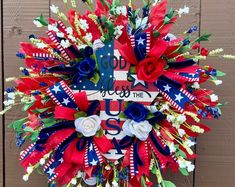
(112, 90)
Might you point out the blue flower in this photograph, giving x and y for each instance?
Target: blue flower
(86, 68)
(136, 112)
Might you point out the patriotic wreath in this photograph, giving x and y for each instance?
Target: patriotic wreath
(111, 96)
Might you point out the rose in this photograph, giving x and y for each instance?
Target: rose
(88, 126)
(86, 67)
(139, 129)
(150, 69)
(136, 112)
(204, 52)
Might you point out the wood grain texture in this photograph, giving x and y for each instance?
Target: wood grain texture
(216, 163)
(18, 16)
(1, 117)
(216, 150)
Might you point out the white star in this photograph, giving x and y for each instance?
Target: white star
(167, 88)
(51, 171)
(66, 101)
(140, 41)
(56, 89)
(94, 162)
(61, 160)
(137, 81)
(91, 147)
(178, 97)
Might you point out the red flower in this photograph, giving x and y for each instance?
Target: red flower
(204, 52)
(150, 69)
(195, 46)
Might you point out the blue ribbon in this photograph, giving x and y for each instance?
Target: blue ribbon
(164, 151)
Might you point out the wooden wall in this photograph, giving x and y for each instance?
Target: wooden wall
(215, 165)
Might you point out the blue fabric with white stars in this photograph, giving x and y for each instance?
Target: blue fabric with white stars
(174, 93)
(105, 58)
(91, 155)
(50, 170)
(140, 45)
(61, 95)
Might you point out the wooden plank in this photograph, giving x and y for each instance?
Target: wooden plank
(215, 165)
(1, 107)
(18, 16)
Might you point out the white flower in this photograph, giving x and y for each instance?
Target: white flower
(172, 147)
(196, 85)
(71, 37)
(121, 10)
(190, 143)
(184, 10)
(79, 174)
(52, 28)
(97, 44)
(9, 102)
(170, 36)
(170, 118)
(88, 126)
(26, 178)
(118, 31)
(88, 37)
(29, 170)
(114, 184)
(107, 184)
(65, 43)
(83, 24)
(217, 82)
(182, 163)
(164, 107)
(41, 45)
(60, 34)
(11, 95)
(69, 30)
(108, 167)
(190, 166)
(181, 118)
(181, 132)
(42, 161)
(54, 9)
(141, 130)
(74, 181)
(37, 23)
(214, 98)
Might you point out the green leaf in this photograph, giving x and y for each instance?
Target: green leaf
(150, 115)
(169, 16)
(156, 34)
(48, 122)
(168, 184)
(122, 115)
(184, 171)
(220, 73)
(27, 106)
(28, 129)
(96, 78)
(180, 153)
(154, 170)
(17, 125)
(34, 136)
(42, 20)
(40, 110)
(204, 37)
(100, 133)
(79, 115)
